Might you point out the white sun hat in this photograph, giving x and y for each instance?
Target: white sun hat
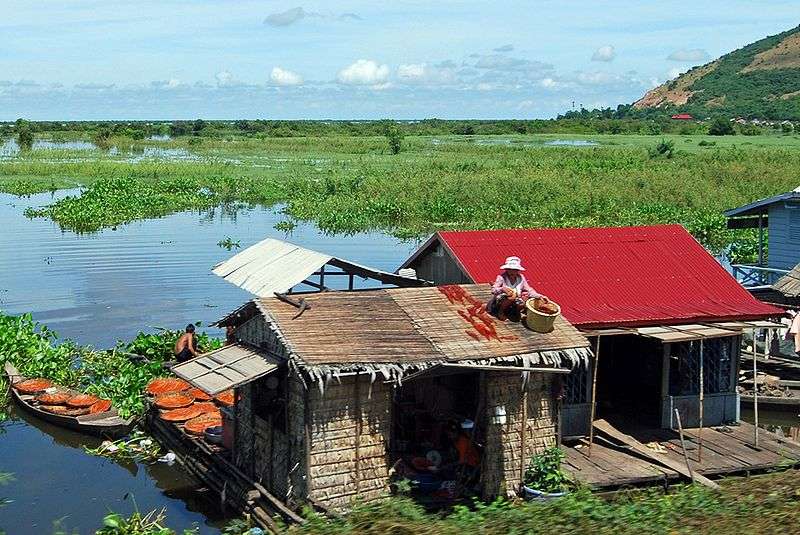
(513, 262)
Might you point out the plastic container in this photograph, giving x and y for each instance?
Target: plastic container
(538, 321)
(538, 495)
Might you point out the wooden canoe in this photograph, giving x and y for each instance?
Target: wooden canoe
(104, 424)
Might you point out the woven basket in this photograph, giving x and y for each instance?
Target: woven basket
(541, 322)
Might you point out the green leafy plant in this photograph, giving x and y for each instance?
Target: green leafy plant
(229, 243)
(664, 148)
(544, 471)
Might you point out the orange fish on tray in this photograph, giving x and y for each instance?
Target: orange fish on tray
(57, 398)
(207, 407)
(225, 398)
(182, 414)
(163, 385)
(101, 406)
(198, 426)
(65, 411)
(173, 400)
(82, 400)
(32, 386)
(198, 395)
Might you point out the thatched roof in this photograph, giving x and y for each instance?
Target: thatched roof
(402, 329)
(789, 284)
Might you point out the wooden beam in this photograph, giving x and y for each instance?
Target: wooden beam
(386, 278)
(607, 429)
(746, 222)
(594, 394)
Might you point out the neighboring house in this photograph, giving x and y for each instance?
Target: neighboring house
(777, 219)
(682, 117)
(665, 300)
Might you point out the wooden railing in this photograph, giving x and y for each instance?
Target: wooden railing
(751, 275)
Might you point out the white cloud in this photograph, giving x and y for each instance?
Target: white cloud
(504, 48)
(172, 83)
(422, 73)
(694, 55)
(548, 83)
(604, 53)
(364, 72)
(224, 78)
(280, 76)
(675, 72)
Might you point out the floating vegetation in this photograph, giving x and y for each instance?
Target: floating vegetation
(229, 244)
(138, 447)
(351, 184)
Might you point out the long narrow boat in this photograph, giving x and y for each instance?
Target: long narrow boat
(105, 424)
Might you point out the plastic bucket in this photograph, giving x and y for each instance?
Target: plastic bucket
(538, 321)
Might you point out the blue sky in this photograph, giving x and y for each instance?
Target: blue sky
(182, 59)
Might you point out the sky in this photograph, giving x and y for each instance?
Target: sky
(402, 59)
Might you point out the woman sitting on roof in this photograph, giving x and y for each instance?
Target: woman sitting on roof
(511, 291)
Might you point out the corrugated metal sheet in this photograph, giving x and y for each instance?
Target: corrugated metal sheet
(225, 368)
(630, 276)
(270, 266)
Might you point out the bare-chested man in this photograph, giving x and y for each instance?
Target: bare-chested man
(186, 346)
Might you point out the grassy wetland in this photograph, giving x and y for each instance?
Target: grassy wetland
(354, 183)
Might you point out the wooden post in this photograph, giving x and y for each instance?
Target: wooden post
(523, 429)
(594, 393)
(322, 278)
(683, 444)
(755, 389)
(357, 408)
(760, 240)
(700, 428)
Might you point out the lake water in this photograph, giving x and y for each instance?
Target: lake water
(98, 288)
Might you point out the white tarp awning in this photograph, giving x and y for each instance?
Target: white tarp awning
(227, 367)
(271, 266)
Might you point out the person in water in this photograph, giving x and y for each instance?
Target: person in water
(186, 346)
(511, 291)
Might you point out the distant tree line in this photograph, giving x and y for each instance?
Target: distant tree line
(586, 122)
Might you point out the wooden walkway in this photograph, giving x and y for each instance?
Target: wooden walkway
(725, 451)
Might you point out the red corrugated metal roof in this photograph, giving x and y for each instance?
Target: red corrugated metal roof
(682, 116)
(632, 276)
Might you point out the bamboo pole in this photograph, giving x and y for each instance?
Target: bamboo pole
(357, 407)
(523, 433)
(755, 389)
(700, 428)
(683, 444)
(594, 393)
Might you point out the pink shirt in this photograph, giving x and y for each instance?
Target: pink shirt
(523, 289)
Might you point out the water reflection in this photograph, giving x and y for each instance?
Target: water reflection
(10, 148)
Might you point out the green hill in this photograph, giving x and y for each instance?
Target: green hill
(760, 80)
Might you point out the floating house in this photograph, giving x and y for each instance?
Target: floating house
(362, 380)
(777, 219)
(337, 392)
(662, 305)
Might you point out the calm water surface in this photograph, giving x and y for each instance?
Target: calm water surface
(98, 288)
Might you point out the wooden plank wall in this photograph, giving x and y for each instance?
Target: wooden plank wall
(350, 427)
(784, 237)
(503, 455)
(440, 268)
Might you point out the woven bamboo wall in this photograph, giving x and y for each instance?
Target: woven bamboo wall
(256, 331)
(350, 426)
(503, 455)
(296, 417)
